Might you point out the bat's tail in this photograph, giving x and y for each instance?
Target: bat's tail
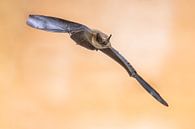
(52, 24)
(149, 89)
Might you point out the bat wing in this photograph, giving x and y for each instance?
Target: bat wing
(114, 54)
(54, 24)
(81, 34)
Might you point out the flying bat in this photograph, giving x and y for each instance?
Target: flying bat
(91, 39)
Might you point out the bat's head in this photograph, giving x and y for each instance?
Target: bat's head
(101, 40)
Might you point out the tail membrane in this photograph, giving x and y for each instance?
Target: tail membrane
(52, 24)
(150, 90)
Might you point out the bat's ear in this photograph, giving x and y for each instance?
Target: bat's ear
(108, 39)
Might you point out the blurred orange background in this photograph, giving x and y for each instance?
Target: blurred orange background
(48, 82)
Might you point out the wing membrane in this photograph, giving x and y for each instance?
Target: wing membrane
(54, 24)
(114, 54)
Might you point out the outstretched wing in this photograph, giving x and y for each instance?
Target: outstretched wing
(81, 34)
(114, 54)
(54, 24)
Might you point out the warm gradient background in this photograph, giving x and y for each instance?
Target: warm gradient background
(48, 82)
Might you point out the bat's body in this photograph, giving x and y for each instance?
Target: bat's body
(92, 40)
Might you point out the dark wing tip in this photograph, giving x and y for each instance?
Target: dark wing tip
(164, 103)
(47, 23)
(157, 96)
(33, 21)
(54, 24)
(150, 90)
(28, 21)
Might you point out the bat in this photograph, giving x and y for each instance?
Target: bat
(93, 40)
